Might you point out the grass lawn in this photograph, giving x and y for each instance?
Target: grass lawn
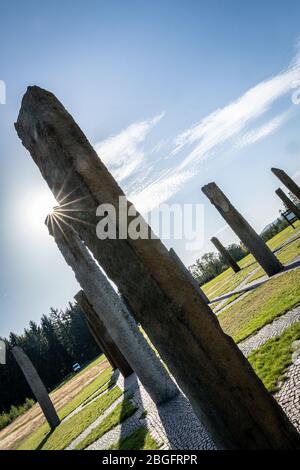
(68, 430)
(228, 280)
(122, 411)
(271, 361)
(138, 440)
(285, 256)
(227, 301)
(103, 381)
(228, 283)
(261, 306)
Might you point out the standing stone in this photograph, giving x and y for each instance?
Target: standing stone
(225, 254)
(37, 386)
(226, 394)
(287, 181)
(102, 336)
(288, 202)
(112, 312)
(243, 230)
(187, 273)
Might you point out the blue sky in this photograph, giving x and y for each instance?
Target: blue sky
(173, 94)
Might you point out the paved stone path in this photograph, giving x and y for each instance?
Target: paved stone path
(289, 395)
(173, 424)
(276, 328)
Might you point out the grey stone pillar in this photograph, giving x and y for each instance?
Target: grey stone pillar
(37, 386)
(112, 312)
(287, 181)
(224, 391)
(187, 273)
(288, 202)
(243, 230)
(225, 254)
(102, 336)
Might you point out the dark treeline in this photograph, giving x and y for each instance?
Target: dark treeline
(61, 338)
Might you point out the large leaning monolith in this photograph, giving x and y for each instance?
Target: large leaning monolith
(225, 254)
(102, 336)
(288, 202)
(37, 386)
(224, 391)
(243, 230)
(112, 312)
(287, 181)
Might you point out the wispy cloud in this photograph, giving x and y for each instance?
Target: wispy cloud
(124, 153)
(263, 131)
(226, 123)
(125, 156)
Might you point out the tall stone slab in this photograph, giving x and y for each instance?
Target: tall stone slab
(187, 273)
(112, 312)
(225, 254)
(102, 336)
(37, 386)
(224, 391)
(243, 230)
(287, 181)
(288, 202)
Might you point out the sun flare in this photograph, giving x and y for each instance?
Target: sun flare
(35, 206)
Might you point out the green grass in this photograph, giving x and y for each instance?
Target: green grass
(101, 382)
(15, 412)
(122, 411)
(231, 282)
(228, 301)
(261, 306)
(282, 236)
(290, 252)
(228, 280)
(285, 256)
(138, 440)
(68, 430)
(95, 385)
(271, 361)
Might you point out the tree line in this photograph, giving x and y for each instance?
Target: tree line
(61, 339)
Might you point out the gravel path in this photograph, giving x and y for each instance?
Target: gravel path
(276, 328)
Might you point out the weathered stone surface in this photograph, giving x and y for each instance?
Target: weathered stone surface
(113, 313)
(181, 266)
(288, 202)
(226, 395)
(243, 230)
(287, 181)
(37, 386)
(225, 254)
(102, 336)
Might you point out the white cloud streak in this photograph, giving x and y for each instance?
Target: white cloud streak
(124, 153)
(263, 131)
